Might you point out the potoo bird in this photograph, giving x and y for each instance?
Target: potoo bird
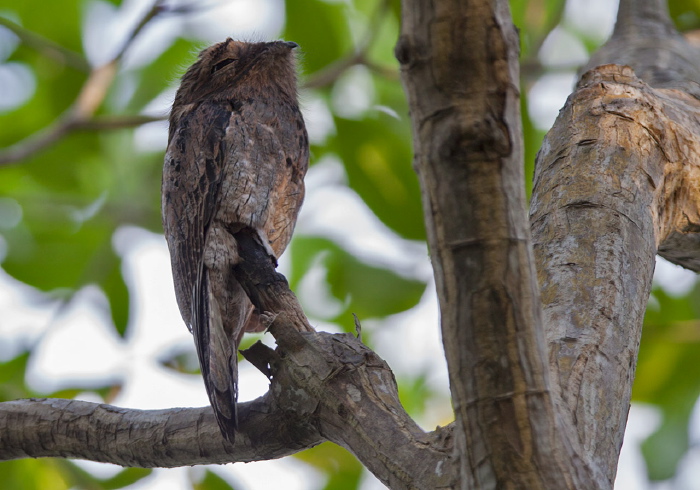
(237, 155)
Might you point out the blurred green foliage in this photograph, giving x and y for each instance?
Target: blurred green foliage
(669, 357)
(60, 207)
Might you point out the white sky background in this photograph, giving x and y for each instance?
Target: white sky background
(61, 360)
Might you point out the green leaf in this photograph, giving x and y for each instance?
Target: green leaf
(365, 290)
(57, 84)
(670, 349)
(377, 156)
(212, 481)
(342, 468)
(685, 14)
(535, 19)
(532, 139)
(381, 52)
(32, 474)
(59, 21)
(126, 477)
(79, 478)
(106, 392)
(414, 393)
(55, 257)
(116, 291)
(184, 360)
(73, 197)
(12, 386)
(321, 30)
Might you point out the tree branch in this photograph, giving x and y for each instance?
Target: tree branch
(350, 390)
(147, 438)
(626, 186)
(646, 40)
(604, 202)
(100, 123)
(323, 387)
(65, 126)
(617, 179)
(332, 72)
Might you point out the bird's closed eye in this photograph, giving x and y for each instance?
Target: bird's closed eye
(222, 63)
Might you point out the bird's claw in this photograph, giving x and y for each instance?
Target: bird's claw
(267, 318)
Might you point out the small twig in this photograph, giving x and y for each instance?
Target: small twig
(45, 46)
(91, 96)
(554, 20)
(375, 23)
(95, 88)
(531, 67)
(65, 125)
(156, 9)
(36, 142)
(383, 71)
(358, 327)
(195, 7)
(332, 72)
(115, 122)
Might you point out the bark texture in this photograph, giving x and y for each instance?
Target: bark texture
(616, 181)
(459, 64)
(38, 428)
(618, 175)
(646, 40)
(347, 390)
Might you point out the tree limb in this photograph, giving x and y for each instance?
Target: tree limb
(323, 387)
(617, 180)
(349, 389)
(604, 202)
(147, 438)
(646, 40)
(66, 125)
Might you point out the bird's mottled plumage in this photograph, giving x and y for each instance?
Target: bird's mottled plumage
(237, 155)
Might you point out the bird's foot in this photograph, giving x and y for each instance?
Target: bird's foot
(267, 318)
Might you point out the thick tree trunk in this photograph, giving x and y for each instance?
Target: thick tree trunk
(460, 71)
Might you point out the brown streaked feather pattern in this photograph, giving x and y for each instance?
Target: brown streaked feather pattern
(237, 155)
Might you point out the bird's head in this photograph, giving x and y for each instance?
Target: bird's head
(233, 68)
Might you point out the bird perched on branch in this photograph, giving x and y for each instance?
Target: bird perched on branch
(237, 155)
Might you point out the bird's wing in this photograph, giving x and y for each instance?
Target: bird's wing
(194, 167)
(192, 176)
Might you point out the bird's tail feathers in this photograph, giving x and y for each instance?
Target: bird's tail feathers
(218, 358)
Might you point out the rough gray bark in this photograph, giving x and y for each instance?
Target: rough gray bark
(468, 155)
(617, 180)
(617, 177)
(38, 428)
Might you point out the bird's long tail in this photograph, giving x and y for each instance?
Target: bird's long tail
(217, 351)
(221, 313)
